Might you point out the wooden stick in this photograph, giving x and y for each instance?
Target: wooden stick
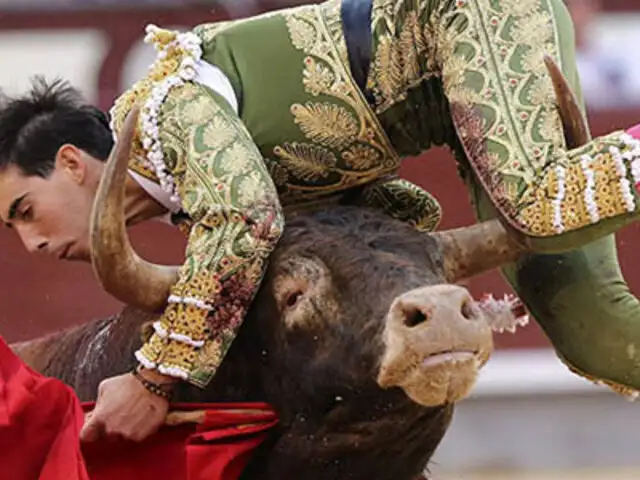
(181, 417)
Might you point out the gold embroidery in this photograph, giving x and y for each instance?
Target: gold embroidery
(208, 31)
(396, 67)
(235, 223)
(549, 126)
(510, 94)
(519, 8)
(163, 67)
(174, 356)
(388, 63)
(199, 108)
(338, 130)
(361, 157)
(326, 124)
(488, 57)
(209, 356)
(140, 166)
(249, 190)
(609, 197)
(279, 174)
(403, 201)
(152, 349)
(305, 161)
(179, 320)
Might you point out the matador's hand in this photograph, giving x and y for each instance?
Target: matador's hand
(125, 408)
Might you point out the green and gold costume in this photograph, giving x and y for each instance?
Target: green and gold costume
(464, 73)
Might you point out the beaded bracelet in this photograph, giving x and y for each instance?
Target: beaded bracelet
(154, 388)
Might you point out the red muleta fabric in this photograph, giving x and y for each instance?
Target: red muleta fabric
(218, 449)
(41, 418)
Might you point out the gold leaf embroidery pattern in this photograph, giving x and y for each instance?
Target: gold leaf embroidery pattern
(361, 157)
(235, 215)
(218, 134)
(197, 108)
(396, 67)
(308, 162)
(303, 35)
(326, 124)
(279, 174)
(317, 78)
(404, 201)
(208, 31)
(488, 56)
(520, 79)
(388, 63)
(337, 129)
(518, 8)
(249, 190)
(234, 161)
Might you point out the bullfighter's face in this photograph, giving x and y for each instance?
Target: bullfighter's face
(51, 214)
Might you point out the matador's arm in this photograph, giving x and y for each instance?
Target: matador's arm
(503, 108)
(235, 221)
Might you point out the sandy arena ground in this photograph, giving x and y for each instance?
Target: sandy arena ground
(591, 474)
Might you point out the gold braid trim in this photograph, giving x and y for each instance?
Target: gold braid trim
(178, 54)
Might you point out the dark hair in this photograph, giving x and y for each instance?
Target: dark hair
(34, 126)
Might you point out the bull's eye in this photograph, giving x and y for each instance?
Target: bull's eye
(292, 298)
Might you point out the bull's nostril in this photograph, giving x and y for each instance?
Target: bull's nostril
(414, 317)
(468, 311)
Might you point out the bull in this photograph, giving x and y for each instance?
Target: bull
(363, 350)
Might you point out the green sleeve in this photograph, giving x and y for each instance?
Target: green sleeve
(235, 221)
(503, 108)
(565, 202)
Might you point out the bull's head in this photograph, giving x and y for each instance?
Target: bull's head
(434, 336)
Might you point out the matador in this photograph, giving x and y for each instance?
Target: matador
(242, 120)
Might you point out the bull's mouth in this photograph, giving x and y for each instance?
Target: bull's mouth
(449, 356)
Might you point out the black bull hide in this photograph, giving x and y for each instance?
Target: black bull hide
(310, 346)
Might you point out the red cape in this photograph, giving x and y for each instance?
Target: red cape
(41, 418)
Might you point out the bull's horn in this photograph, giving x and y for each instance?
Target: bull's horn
(472, 250)
(469, 251)
(576, 130)
(119, 269)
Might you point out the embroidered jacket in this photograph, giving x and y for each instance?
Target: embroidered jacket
(285, 124)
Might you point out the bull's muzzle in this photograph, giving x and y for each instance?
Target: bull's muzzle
(436, 339)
